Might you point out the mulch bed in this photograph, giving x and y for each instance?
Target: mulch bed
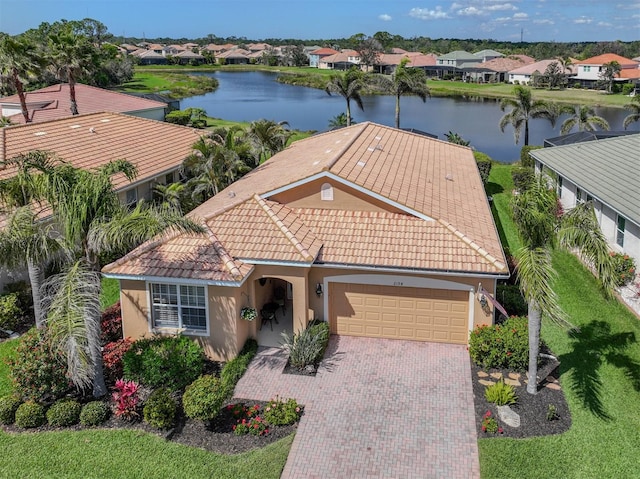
(532, 408)
(215, 437)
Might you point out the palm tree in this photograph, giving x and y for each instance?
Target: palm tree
(348, 86)
(523, 108)
(407, 81)
(19, 64)
(536, 219)
(171, 195)
(565, 63)
(456, 139)
(268, 137)
(26, 240)
(93, 223)
(634, 116)
(585, 118)
(609, 72)
(71, 55)
(555, 111)
(340, 120)
(212, 167)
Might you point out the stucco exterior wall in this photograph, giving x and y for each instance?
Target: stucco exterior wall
(344, 198)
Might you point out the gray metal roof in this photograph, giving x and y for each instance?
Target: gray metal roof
(608, 170)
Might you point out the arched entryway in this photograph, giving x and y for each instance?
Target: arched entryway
(274, 302)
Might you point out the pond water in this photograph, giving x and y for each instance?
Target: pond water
(248, 96)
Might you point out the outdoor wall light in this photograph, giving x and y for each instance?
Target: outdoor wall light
(319, 289)
(483, 301)
(262, 281)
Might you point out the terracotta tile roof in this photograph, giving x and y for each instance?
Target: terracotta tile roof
(392, 240)
(607, 58)
(235, 53)
(89, 141)
(52, 102)
(264, 230)
(539, 66)
(629, 73)
(324, 52)
(182, 256)
(503, 64)
(447, 225)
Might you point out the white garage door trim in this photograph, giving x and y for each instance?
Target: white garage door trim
(401, 282)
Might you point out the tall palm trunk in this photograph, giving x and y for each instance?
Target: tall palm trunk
(72, 94)
(36, 277)
(23, 100)
(526, 132)
(535, 322)
(398, 111)
(92, 322)
(348, 112)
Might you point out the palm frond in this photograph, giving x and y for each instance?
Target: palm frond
(72, 302)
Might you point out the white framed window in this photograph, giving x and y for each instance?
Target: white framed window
(620, 227)
(559, 187)
(579, 196)
(179, 307)
(587, 68)
(132, 197)
(326, 192)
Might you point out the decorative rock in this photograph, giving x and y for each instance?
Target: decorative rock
(554, 386)
(512, 382)
(484, 382)
(496, 375)
(515, 375)
(310, 369)
(509, 416)
(482, 374)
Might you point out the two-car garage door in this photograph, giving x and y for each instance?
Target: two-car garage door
(399, 312)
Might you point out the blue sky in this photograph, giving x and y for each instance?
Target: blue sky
(539, 20)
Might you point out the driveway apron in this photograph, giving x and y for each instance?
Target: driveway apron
(376, 409)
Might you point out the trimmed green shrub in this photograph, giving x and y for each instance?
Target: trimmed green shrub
(63, 413)
(522, 178)
(235, 369)
(94, 413)
(484, 163)
(526, 160)
(501, 346)
(10, 311)
(624, 268)
(160, 409)
(307, 347)
(627, 88)
(500, 394)
(320, 329)
(509, 296)
(281, 413)
(8, 407)
(29, 415)
(164, 361)
(203, 398)
(36, 372)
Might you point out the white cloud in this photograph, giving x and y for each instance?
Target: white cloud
(456, 6)
(470, 12)
(583, 21)
(520, 16)
(500, 7)
(426, 14)
(545, 21)
(502, 19)
(605, 24)
(385, 18)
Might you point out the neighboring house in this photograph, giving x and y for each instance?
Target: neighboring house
(343, 60)
(380, 232)
(236, 56)
(316, 55)
(52, 103)
(388, 62)
(490, 71)
(608, 172)
(451, 63)
(522, 75)
(589, 71)
(486, 55)
(187, 56)
(149, 57)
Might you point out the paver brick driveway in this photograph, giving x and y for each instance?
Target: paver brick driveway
(376, 409)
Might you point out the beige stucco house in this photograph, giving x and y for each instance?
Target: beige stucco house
(380, 232)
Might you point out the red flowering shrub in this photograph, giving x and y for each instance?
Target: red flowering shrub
(126, 399)
(36, 371)
(254, 426)
(624, 267)
(112, 354)
(490, 425)
(240, 411)
(111, 324)
(503, 346)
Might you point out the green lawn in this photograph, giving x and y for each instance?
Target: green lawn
(178, 85)
(110, 292)
(129, 454)
(600, 375)
(7, 349)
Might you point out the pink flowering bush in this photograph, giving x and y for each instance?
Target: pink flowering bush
(126, 399)
(281, 413)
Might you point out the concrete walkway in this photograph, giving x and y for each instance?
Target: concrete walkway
(376, 409)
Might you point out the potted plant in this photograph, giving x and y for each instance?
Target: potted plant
(248, 314)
